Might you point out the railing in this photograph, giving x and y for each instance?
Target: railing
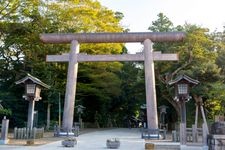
(27, 133)
(193, 134)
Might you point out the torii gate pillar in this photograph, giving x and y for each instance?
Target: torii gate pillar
(152, 116)
(71, 85)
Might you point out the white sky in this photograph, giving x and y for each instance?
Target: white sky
(139, 14)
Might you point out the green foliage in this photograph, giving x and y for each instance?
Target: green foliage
(197, 59)
(216, 102)
(132, 92)
(5, 112)
(21, 50)
(113, 89)
(162, 24)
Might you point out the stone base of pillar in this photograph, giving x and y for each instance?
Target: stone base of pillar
(3, 142)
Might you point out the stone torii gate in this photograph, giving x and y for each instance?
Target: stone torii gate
(148, 57)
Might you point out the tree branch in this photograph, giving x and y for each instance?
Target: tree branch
(14, 7)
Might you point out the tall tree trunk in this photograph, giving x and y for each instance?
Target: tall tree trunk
(176, 106)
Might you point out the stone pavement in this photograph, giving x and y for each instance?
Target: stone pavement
(130, 139)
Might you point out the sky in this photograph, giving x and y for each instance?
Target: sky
(139, 14)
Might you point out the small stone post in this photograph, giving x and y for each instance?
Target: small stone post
(204, 136)
(194, 133)
(4, 131)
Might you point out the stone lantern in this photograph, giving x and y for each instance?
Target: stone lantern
(183, 84)
(162, 113)
(80, 110)
(33, 88)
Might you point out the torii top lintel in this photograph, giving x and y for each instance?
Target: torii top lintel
(60, 38)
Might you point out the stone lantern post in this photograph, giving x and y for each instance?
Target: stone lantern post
(33, 88)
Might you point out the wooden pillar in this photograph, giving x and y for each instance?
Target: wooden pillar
(194, 133)
(204, 136)
(48, 116)
(70, 87)
(183, 111)
(183, 134)
(204, 119)
(59, 110)
(196, 115)
(30, 119)
(152, 117)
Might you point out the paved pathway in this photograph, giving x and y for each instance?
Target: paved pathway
(130, 140)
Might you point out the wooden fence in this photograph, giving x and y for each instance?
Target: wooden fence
(194, 135)
(27, 133)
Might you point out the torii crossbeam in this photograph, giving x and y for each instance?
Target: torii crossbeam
(74, 57)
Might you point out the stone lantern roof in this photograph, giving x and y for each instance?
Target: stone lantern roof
(33, 79)
(184, 78)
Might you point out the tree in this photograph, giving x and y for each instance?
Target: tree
(21, 50)
(194, 53)
(132, 94)
(13, 27)
(216, 105)
(162, 24)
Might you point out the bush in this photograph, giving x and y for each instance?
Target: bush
(5, 112)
